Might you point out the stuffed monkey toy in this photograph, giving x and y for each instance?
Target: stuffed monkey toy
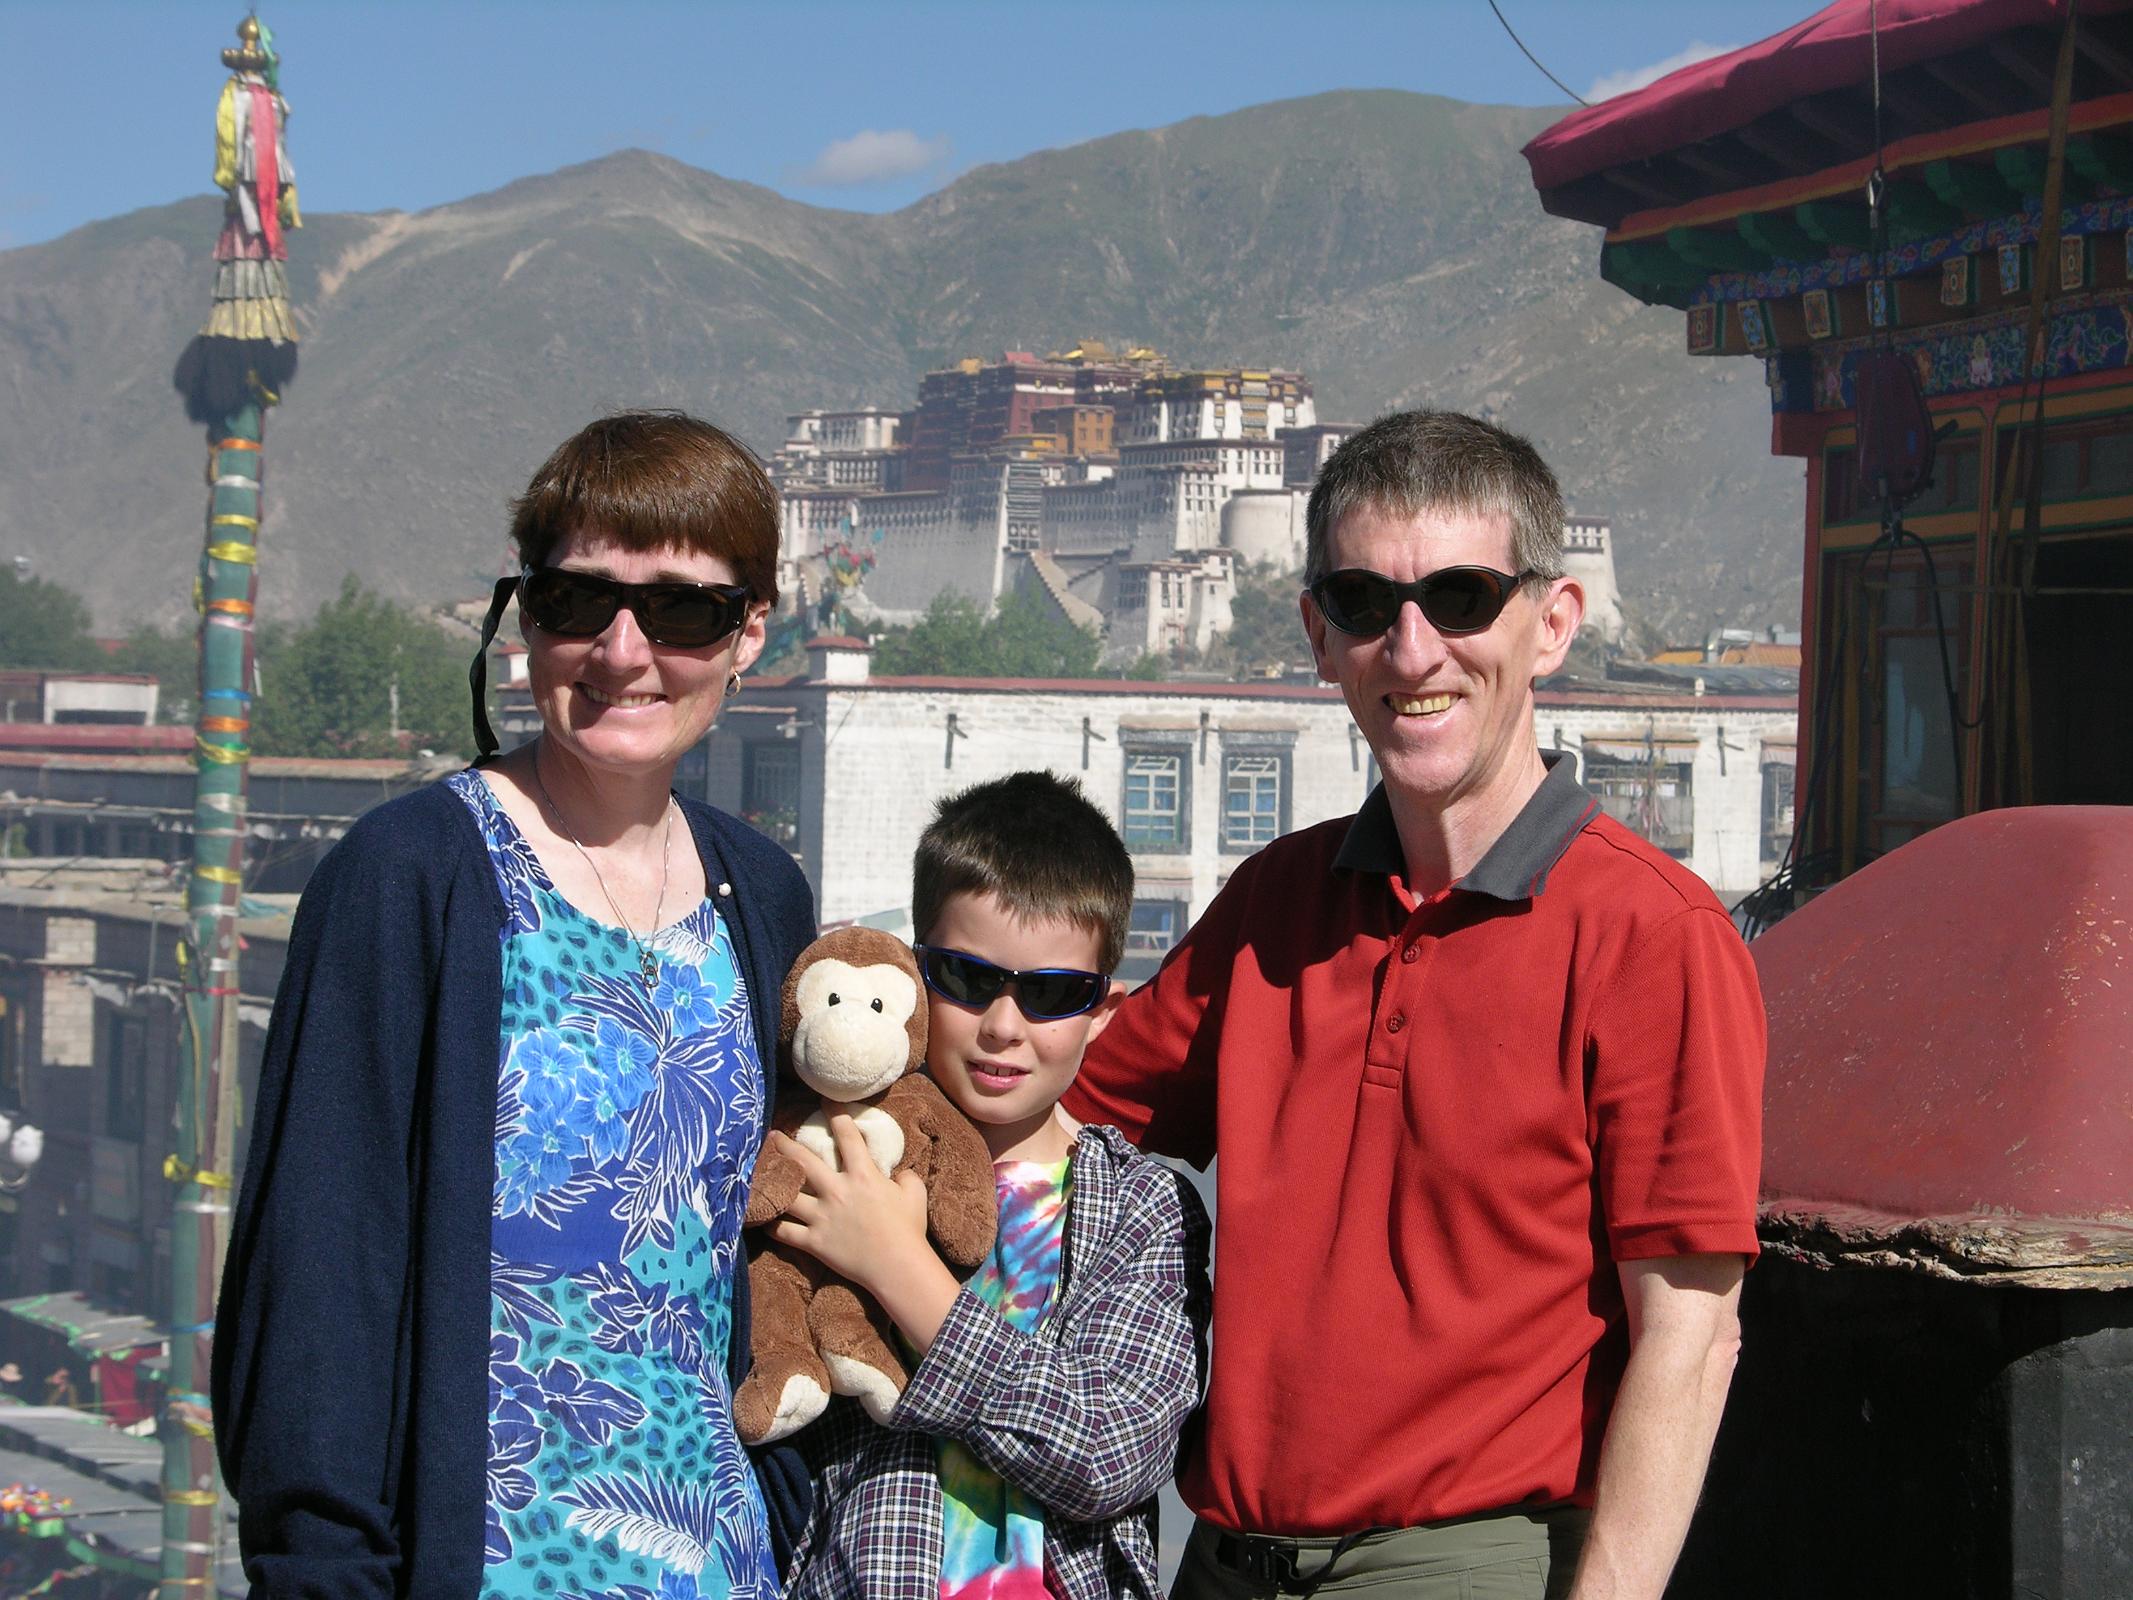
(853, 1032)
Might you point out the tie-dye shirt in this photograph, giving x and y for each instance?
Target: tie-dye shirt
(992, 1534)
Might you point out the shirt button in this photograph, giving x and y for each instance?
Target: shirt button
(1409, 954)
(1395, 1022)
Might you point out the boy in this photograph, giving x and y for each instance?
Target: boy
(1044, 1409)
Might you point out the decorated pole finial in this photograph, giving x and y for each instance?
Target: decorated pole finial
(252, 169)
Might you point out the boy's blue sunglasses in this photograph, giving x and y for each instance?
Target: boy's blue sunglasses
(1045, 994)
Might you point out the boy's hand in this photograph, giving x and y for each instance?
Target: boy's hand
(857, 1222)
(869, 1228)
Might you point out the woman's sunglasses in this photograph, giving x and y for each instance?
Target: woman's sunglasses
(579, 605)
(1454, 600)
(1045, 994)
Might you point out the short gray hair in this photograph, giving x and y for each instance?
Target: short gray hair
(1416, 461)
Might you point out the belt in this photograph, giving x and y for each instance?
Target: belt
(1266, 1559)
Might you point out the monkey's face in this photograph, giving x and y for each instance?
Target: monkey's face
(853, 1038)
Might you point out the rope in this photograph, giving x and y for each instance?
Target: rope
(1530, 56)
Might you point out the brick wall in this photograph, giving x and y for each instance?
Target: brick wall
(69, 1031)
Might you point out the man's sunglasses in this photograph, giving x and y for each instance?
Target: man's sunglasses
(1454, 600)
(1045, 994)
(579, 605)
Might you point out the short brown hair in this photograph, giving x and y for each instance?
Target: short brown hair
(1032, 841)
(655, 480)
(1415, 461)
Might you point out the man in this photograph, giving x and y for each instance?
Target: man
(1484, 1071)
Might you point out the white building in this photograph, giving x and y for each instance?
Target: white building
(1233, 404)
(845, 769)
(30, 694)
(1160, 606)
(809, 434)
(1589, 557)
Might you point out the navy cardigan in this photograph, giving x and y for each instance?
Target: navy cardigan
(351, 1342)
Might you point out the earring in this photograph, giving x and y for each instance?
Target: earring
(733, 684)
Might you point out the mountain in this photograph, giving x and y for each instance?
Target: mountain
(1387, 244)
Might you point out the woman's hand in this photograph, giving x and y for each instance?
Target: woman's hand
(869, 1228)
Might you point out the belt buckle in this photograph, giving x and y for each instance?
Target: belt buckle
(1266, 1560)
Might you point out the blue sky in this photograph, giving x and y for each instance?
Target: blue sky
(109, 105)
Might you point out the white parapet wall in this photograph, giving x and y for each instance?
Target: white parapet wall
(847, 771)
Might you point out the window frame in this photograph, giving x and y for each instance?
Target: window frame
(1238, 748)
(1177, 754)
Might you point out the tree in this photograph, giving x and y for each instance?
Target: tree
(172, 659)
(43, 625)
(1024, 638)
(327, 688)
(948, 641)
(1032, 640)
(1265, 633)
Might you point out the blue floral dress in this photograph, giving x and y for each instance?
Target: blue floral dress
(627, 1119)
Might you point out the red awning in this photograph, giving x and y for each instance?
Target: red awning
(1833, 49)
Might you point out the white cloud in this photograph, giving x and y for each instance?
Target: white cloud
(1614, 83)
(872, 155)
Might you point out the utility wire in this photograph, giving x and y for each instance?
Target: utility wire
(1530, 56)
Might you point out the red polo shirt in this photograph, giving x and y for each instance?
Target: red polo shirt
(1442, 1123)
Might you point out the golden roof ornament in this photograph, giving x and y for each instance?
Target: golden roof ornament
(248, 55)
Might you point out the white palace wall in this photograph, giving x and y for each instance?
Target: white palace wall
(868, 761)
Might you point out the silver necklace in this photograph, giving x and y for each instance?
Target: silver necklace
(647, 963)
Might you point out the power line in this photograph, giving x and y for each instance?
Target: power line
(1530, 56)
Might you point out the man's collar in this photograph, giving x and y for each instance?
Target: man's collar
(1516, 866)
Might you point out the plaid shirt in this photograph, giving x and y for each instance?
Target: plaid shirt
(1083, 1414)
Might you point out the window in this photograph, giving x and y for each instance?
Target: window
(1954, 486)
(2079, 458)
(770, 788)
(1648, 789)
(1254, 799)
(125, 1077)
(11, 1052)
(1154, 925)
(1778, 779)
(1919, 784)
(1154, 809)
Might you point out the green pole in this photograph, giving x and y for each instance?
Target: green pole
(229, 586)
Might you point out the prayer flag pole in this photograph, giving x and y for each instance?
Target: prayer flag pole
(229, 375)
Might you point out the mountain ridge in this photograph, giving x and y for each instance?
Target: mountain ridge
(1387, 244)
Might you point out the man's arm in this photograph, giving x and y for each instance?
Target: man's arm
(1684, 1336)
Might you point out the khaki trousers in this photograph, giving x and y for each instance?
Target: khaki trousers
(1506, 1556)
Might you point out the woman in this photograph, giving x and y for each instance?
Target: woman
(482, 1314)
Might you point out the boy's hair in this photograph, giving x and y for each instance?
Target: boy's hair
(1033, 842)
